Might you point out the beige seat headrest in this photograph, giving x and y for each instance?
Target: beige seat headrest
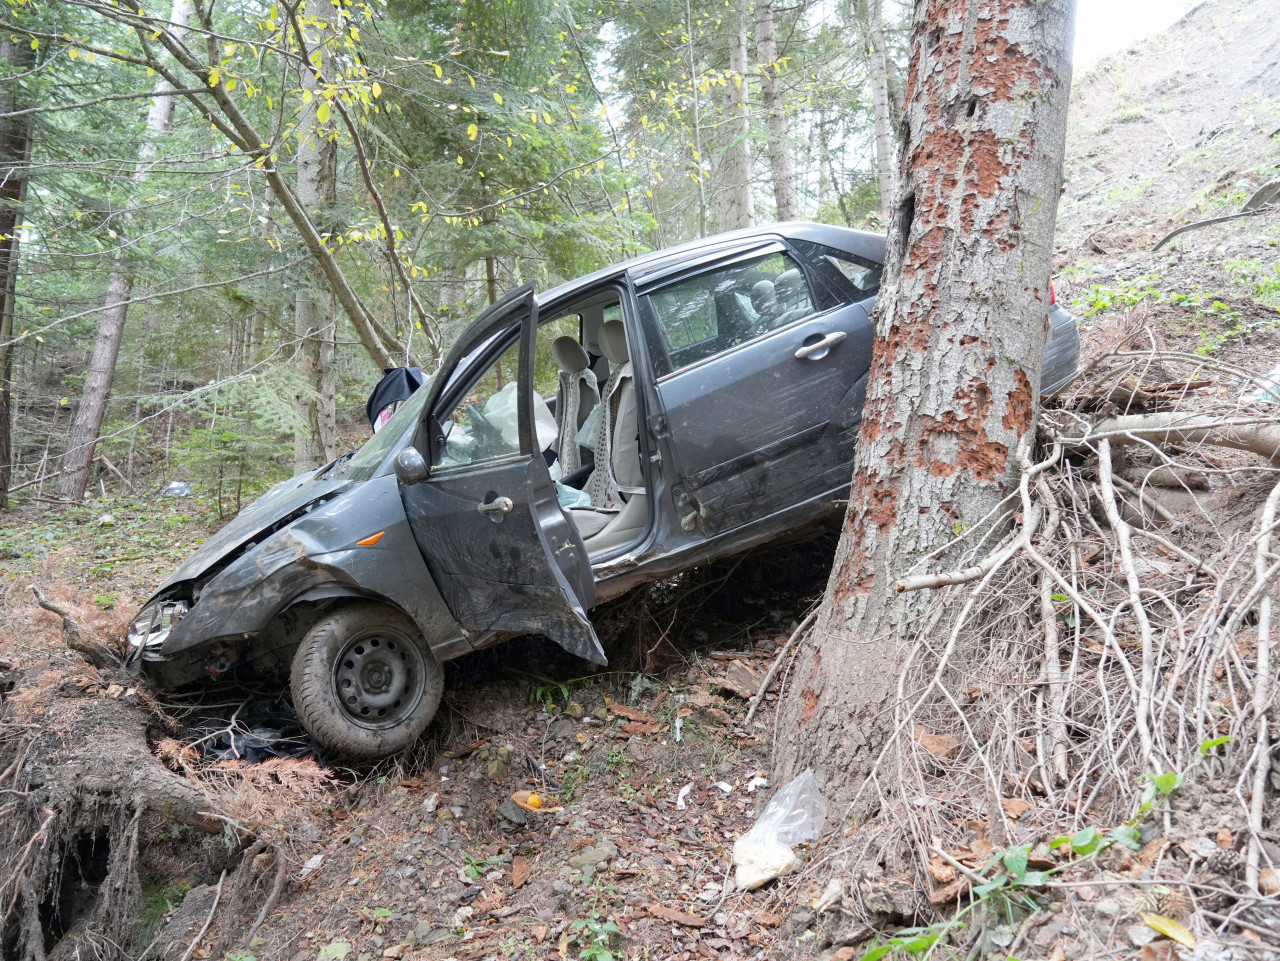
(613, 342)
(763, 297)
(569, 355)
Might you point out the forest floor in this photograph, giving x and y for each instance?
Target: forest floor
(428, 857)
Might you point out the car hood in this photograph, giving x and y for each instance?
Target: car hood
(266, 514)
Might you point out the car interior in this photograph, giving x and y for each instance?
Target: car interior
(597, 451)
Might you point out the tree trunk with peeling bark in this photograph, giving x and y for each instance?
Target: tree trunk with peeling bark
(92, 409)
(955, 371)
(784, 174)
(315, 321)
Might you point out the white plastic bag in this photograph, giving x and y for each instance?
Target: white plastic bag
(793, 815)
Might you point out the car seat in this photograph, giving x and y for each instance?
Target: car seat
(619, 505)
(577, 394)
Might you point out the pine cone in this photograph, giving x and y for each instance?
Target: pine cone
(1224, 861)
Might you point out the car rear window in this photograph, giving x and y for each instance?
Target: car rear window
(698, 317)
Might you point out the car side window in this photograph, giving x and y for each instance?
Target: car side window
(485, 424)
(843, 278)
(699, 317)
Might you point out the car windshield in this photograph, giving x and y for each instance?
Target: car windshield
(366, 460)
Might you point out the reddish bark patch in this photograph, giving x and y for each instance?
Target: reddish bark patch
(810, 705)
(962, 431)
(1018, 417)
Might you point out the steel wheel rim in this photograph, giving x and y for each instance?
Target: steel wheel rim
(379, 679)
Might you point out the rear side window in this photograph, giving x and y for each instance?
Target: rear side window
(699, 317)
(844, 277)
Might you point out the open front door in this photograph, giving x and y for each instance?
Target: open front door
(485, 516)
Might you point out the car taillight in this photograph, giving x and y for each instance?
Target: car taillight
(1053, 298)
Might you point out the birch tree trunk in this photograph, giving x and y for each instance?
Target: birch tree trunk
(955, 371)
(16, 57)
(87, 424)
(314, 324)
(784, 174)
(879, 63)
(734, 206)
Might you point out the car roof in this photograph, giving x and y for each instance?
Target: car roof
(863, 243)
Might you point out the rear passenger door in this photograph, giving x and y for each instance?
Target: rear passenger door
(759, 368)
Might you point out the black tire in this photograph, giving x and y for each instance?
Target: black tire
(364, 681)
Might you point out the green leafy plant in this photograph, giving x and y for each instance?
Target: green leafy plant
(594, 936)
(545, 694)
(478, 866)
(1124, 295)
(912, 941)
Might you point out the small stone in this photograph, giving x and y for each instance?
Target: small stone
(430, 803)
(592, 857)
(588, 872)
(444, 814)
(601, 714)
(1140, 935)
(608, 846)
(573, 709)
(562, 728)
(561, 887)
(423, 929)
(1203, 847)
(496, 770)
(106, 520)
(724, 768)
(1108, 907)
(513, 813)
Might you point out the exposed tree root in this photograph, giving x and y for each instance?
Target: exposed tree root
(76, 775)
(1100, 644)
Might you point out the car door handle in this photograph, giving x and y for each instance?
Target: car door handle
(818, 349)
(499, 505)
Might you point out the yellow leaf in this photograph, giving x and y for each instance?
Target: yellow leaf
(322, 111)
(1170, 929)
(439, 72)
(377, 90)
(498, 98)
(73, 53)
(306, 96)
(472, 130)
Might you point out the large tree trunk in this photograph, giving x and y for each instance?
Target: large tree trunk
(734, 206)
(315, 441)
(16, 57)
(87, 424)
(879, 64)
(784, 174)
(955, 371)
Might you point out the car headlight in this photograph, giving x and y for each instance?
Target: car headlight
(151, 628)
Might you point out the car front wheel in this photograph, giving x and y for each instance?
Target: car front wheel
(364, 681)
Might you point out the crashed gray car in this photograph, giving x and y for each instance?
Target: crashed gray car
(672, 409)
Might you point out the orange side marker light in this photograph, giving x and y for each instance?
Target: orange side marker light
(371, 540)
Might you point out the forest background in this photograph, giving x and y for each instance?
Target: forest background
(221, 220)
